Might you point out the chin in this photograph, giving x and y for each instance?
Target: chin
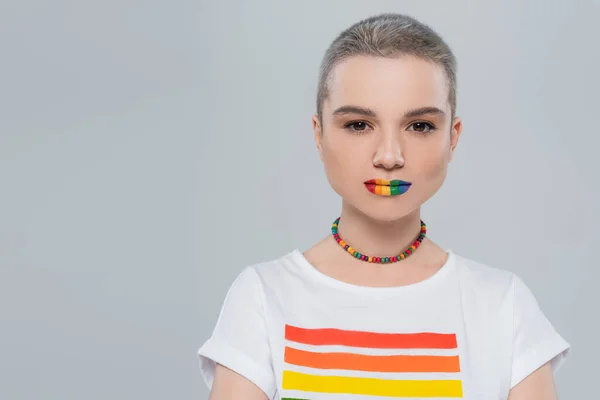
(387, 217)
(386, 211)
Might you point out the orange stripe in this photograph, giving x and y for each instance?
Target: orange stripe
(322, 337)
(361, 362)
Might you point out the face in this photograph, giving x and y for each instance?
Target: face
(386, 119)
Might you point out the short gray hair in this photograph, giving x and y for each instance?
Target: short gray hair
(388, 35)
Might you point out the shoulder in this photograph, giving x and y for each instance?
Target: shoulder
(483, 273)
(272, 272)
(495, 287)
(486, 280)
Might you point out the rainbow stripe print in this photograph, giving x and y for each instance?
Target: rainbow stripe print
(370, 364)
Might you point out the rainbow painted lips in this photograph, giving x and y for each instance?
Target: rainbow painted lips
(383, 187)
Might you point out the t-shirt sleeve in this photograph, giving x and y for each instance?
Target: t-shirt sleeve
(535, 341)
(239, 340)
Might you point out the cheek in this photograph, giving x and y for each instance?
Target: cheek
(431, 162)
(341, 161)
(336, 161)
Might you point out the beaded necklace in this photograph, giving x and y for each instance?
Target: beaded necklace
(378, 260)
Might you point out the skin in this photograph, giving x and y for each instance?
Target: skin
(538, 385)
(384, 118)
(229, 385)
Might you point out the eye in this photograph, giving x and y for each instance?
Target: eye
(356, 126)
(422, 127)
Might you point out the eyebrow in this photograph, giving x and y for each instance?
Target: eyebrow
(367, 112)
(417, 112)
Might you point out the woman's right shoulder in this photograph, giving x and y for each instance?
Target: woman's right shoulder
(271, 271)
(245, 357)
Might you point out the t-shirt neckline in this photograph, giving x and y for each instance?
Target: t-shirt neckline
(297, 256)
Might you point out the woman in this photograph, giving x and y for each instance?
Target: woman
(376, 308)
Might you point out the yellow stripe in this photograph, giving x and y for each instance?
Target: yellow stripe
(371, 386)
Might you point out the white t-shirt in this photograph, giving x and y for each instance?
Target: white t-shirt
(470, 331)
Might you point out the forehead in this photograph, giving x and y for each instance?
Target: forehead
(387, 84)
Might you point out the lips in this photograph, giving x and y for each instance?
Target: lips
(385, 182)
(384, 187)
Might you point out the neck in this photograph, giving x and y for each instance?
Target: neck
(378, 238)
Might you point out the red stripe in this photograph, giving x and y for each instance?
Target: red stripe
(323, 337)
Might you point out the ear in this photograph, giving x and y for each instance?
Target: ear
(454, 135)
(318, 132)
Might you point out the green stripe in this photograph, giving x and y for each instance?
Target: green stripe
(291, 398)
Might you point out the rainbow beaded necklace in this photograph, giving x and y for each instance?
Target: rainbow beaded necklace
(378, 260)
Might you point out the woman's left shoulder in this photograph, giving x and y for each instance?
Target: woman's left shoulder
(484, 277)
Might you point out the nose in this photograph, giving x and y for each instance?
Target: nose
(388, 153)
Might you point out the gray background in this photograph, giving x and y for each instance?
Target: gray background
(150, 150)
